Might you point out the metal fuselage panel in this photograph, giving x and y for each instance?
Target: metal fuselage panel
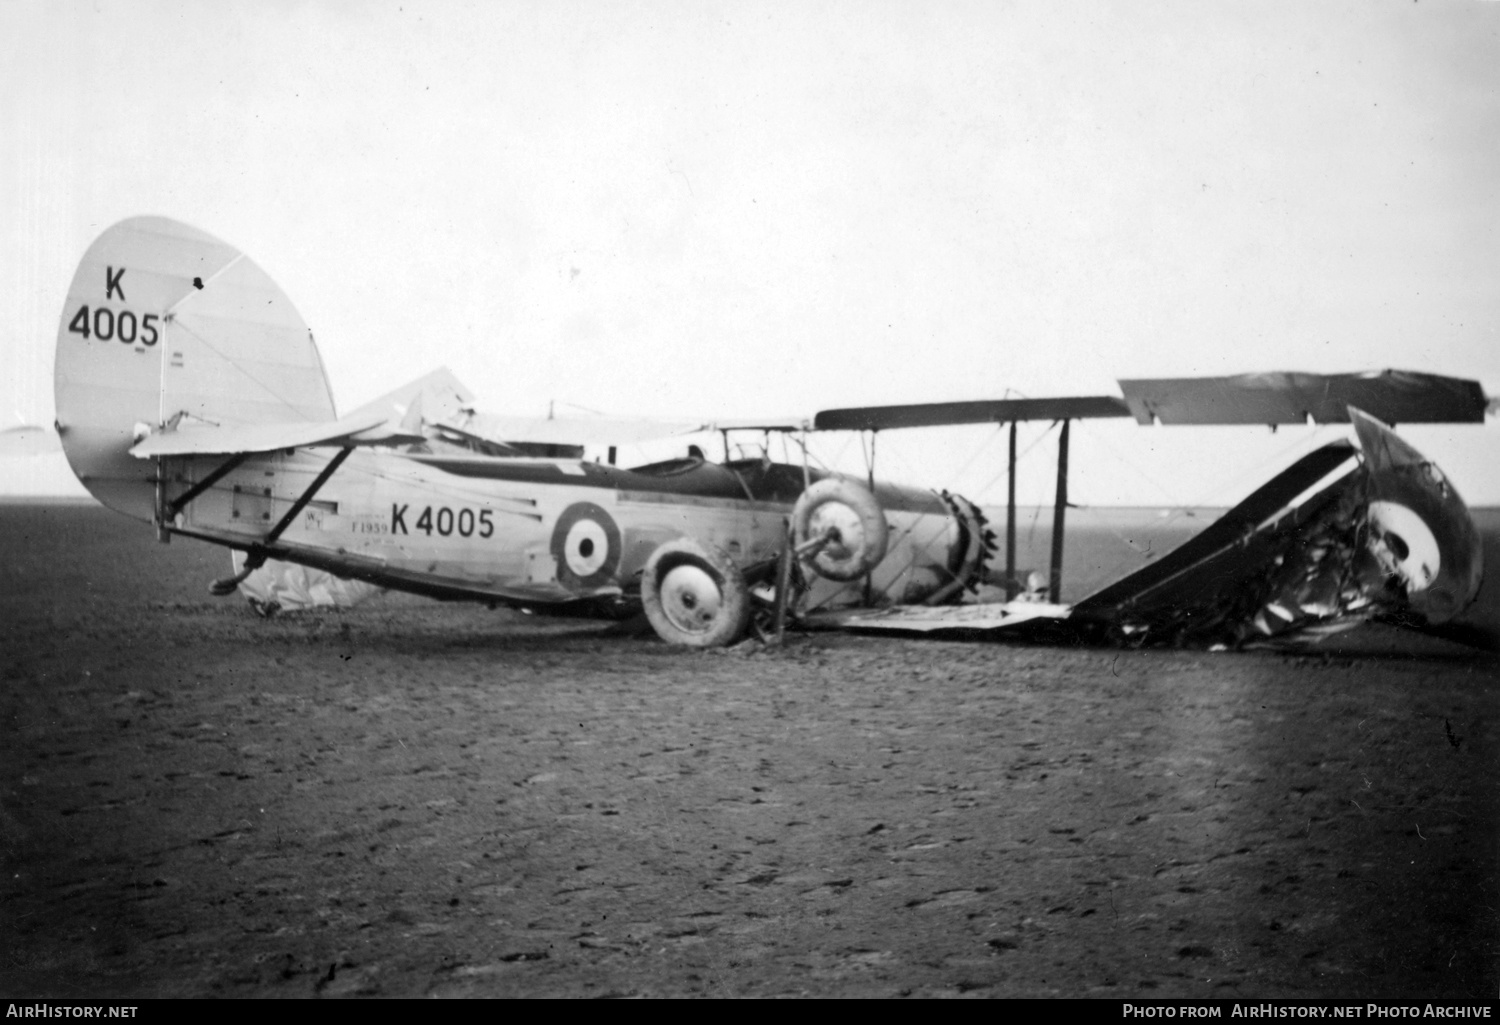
(534, 532)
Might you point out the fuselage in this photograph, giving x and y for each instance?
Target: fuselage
(540, 532)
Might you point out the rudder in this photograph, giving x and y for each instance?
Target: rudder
(164, 322)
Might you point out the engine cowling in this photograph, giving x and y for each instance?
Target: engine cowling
(1420, 531)
(958, 563)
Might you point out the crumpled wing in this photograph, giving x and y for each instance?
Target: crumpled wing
(1324, 545)
(1283, 559)
(1207, 564)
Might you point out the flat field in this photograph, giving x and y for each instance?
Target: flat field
(412, 799)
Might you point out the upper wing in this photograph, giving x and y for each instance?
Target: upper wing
(764, 423)
(1395, 396)
(938, 414)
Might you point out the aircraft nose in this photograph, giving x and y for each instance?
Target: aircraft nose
(1420, 530)
(1408, 543)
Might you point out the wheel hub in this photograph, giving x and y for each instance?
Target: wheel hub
(690, 598)
(841, 525)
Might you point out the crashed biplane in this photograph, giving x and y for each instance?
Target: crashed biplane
(190, 394)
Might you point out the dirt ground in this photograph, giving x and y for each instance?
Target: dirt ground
(421, 799)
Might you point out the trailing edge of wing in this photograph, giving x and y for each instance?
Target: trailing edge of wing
(368, 428)
(1394, 396)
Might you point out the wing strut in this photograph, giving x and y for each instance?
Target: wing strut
(870, 576)
(1010, 521)
(1059, 516)
(1059, 512)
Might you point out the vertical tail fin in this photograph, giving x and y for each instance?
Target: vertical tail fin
(165, 322)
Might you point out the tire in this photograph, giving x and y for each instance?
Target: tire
(695, 595)
(851, 512)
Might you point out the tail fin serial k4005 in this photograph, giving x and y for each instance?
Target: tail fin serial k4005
(167, 327)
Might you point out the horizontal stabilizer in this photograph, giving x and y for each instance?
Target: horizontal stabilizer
(28, 441)
(395, 418)
(368, 428)
(1394, 396)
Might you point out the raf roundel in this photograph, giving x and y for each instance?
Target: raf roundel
(586, 545)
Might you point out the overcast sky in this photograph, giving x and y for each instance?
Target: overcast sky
(749, 209)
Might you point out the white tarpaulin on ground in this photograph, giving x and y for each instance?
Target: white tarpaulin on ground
(290, 587)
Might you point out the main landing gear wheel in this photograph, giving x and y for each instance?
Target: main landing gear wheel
(694, 595)
(849, 522)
